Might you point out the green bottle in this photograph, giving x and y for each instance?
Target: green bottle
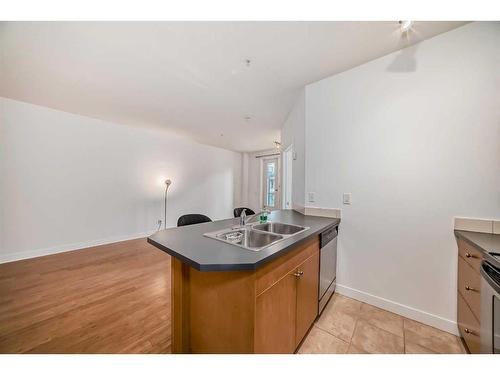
(263, 216)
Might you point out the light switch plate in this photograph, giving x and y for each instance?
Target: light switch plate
(346, 198)
(311, 196)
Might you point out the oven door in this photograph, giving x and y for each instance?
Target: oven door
(496, 324)
(490, 309)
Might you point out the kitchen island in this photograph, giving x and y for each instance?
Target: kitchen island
(227, 299)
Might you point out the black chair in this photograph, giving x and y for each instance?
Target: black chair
(237, 211)
(190, 219)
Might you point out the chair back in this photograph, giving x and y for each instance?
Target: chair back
(191, 219)
(237, 211)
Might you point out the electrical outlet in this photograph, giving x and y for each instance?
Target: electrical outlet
(311, 196)
(346, 198)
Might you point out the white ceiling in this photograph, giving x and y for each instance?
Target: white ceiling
(189, 77)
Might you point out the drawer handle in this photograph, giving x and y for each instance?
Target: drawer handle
(470, 288)
(298, 273)
(469, 255)
(468, 331)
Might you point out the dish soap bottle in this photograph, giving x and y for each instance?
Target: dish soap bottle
(263, 215)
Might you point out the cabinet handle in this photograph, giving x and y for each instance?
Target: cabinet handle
(298, 273)
(470, 288)
(469, 255)
(468, 331)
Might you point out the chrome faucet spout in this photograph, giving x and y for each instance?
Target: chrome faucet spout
(244, 219)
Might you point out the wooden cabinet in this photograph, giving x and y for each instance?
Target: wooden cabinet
(287, 309)
(268, 310)
(275, 317)
(470, 254)
(469, 295)
(469, 286)
(307, 296)
(468, 325)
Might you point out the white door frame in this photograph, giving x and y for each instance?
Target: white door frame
(287, 169)
(263, 180)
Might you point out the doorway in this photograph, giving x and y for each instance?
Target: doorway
(271, 198)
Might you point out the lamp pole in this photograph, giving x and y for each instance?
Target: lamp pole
(167, 184)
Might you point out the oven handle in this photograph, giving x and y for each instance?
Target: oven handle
(486, 269)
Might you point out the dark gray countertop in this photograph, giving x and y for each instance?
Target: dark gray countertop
(489, 243)
(207, 254)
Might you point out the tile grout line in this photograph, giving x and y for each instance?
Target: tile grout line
(358, 317)
(383, 329)
(331, 334)
(354, 330)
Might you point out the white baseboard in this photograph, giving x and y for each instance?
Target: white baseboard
(397, 308)
(12, 257)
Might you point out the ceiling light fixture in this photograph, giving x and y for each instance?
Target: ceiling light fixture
(247, 118)
(405, 26)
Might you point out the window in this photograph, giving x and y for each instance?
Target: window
(270, 188)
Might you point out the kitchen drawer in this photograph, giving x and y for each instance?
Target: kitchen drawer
(468, 325)
(469, 286)
(470, 254)
(273, 271)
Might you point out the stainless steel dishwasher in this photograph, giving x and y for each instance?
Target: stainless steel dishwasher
(327, 265)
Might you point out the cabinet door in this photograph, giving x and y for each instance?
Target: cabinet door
(307, 296)
(275, 317)
(468, 325)
(469, 286)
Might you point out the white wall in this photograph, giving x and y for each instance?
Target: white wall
(415, 137)
(293, 133)
(69, 181)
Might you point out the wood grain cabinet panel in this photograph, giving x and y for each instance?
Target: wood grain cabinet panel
(307, 296)
(272, 272)
(469, 286)
(264, 311)
(468, 325)
(275, 317)
(469, 294)
(470, 254)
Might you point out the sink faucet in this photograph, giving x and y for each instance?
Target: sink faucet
(244, 219)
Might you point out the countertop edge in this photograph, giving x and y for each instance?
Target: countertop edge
(459, 234)
(240, 266)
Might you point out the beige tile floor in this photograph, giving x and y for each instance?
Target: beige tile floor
(350, 326)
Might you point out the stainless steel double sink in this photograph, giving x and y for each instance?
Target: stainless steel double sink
(256, 236)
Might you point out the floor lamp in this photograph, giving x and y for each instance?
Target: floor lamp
(167, 184)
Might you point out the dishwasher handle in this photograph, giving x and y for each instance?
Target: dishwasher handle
(328, 235)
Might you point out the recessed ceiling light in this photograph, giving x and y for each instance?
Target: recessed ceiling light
(248, 62)
(247, 118)
(405, 26)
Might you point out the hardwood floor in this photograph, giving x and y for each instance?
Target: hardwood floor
(106, 299)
